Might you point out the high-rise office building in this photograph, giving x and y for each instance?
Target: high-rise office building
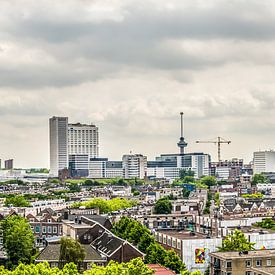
(9, 164)
(72, 146)
(82, 147)
(83, 140)
(58, 144)
(263, 161)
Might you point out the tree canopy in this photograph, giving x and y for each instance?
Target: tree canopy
(259, 178)
(208, 181)
(186, 172)
(17, 201)
(139, 235)
(18, 239)
(71, 251)
(134, 267)
(163, 206)
(236, 242)
(106, 206)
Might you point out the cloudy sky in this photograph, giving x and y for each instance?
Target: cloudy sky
(130, 67)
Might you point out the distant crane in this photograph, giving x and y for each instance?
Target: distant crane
(219, 141)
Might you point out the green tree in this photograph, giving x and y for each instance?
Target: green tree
(163, 206)
(17, 201)
(41, 268)
(18, 239)
(134, 267)
(74, 187)
(185, 192)
(173, 262)
(236, 242)
(136, 233)
(186, 172)
(259, 178)
(71, 251)
(188, 179)
(209, 181)
(145, 241)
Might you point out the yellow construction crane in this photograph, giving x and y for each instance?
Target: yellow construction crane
(219, 141)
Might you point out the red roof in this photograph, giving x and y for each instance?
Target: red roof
(160, 270)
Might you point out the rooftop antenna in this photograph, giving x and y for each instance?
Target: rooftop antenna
(181, 144)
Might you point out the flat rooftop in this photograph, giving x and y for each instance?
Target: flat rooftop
(251, 254)
(182, 235)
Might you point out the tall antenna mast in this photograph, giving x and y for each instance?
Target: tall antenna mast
(181, 144)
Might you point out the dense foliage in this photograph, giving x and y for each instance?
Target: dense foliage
(253, 196)
(267, 223)
(106, 206)
(18, 239)
(71, 251)
(134, 267)
(186, 173)
(236, 242)
(259, 178)
(17, 201)
(163, 206)
(208, 181)
(140, 236)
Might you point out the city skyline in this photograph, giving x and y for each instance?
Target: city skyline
(130, 68)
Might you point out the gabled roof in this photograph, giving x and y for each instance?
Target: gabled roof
(51, 253)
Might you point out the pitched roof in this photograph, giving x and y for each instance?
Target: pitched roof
(52, 252)
(107, 243)
(160, 270)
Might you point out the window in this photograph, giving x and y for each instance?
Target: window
(49, 229)
(248, 273)
(49, 220)
(228, 264)
(258, 263)
(248, 263)
(268, 262)
(44, 229)
(37, 229)
(228, 273)
(54, 229)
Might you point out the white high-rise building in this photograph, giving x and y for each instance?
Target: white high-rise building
(263, 161)
(58, 144)
(134, 166)
(83, 140)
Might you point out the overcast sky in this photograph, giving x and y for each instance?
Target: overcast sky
(130, 67)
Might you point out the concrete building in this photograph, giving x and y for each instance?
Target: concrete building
(264, 161)
(169, 165)
(257, 262)
(79, 165)
(83, 140)
(227, 169)
(58, 145)
(83, 144)
(134, 166)
(9, 164)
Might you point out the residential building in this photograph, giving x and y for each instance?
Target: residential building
(58, 145)
(227, 169)
(256, 262)
(45, 225)
(264, 162)
(134, 166)
(51, 254)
